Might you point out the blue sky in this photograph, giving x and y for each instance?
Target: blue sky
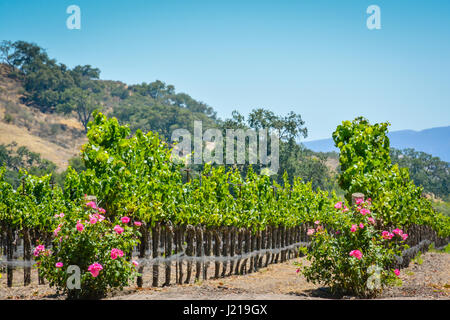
(316, 58)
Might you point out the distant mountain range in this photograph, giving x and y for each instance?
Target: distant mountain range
(435, 141)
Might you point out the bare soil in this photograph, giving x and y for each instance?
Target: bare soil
(429, 279)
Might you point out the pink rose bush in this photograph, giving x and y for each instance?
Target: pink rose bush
(346, 249)
(99, 247)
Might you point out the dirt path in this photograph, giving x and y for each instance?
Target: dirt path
(428, 280)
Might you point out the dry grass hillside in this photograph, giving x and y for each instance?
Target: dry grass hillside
(55, 137)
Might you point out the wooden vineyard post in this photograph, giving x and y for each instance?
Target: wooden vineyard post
(252, 249)
(180, 239)
(292, 242)
(262, 247)
(288, 243)
(273, 241)
(232, 248)
(198, 250)
(168, 252)
(276, 241)
(208, 246)
(296, 239)
(142, 249)
(257, 248)
(188, 177)
(240, 234)
(26, 257)
(155, 253)
(217, 245)
(9, 257)
(225, 244)
(268, 244)
(356, 196)
(282, 244)
(2, 246)
(190, 235)
(246, 251)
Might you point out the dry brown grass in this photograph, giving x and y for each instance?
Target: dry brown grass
(32, 128)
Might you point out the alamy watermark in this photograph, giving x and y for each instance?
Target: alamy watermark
(374, 20)
(209, 147)
(74, 20)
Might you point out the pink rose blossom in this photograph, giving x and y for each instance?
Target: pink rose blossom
(37, 251)
(80, 226)
(94, 269)
(55, 232)
(364, 211)
(125, 219)
(317, 222)
(361, 225)
(398, 232)
(397, 272)
(387, 235)
(359, 201)
(59, 264)
(135, 263)
(345, 209)
(118, 229)
(93, 220)
(405, 236)
(357, 254)
(116, 253)
(371, 220)
(92, 205)
(353, 228)
(137, 223)
(101, 210)
(338, 205)
(310, 232)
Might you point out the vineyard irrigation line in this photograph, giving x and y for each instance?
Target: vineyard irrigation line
(182, 256)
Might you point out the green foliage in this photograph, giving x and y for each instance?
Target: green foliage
(442, 206)
(334, 253)
(83, 237)
(366, 167)
(425, 170)
(50, 86)
(32, 205)
(135, 176)
(129, 175)
(80, 101)
(294, 159)
(15, 158)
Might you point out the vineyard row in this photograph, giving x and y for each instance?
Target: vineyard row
(181, 254)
